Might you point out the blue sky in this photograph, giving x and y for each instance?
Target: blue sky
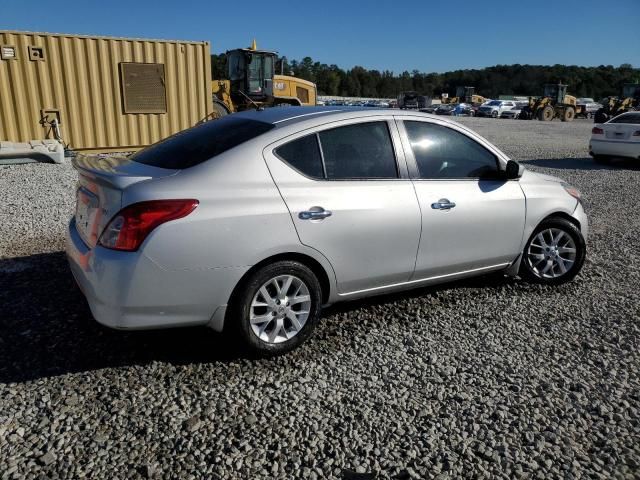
(402, 35)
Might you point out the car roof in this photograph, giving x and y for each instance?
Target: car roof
(296, 118)
(280, 116)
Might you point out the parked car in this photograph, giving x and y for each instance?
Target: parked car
(494, 108)
(619, 137)
(430, 109)
(463, 110)
(513, 112)
(446, 109)
(244, 224)
(587, 107)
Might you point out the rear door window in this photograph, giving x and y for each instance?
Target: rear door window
(359, 151)
(303, 154)
(203, 142)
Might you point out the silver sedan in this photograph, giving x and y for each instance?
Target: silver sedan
(256, 221)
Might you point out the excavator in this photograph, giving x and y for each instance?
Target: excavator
(614, 106)
(554, 103)
(253, 84)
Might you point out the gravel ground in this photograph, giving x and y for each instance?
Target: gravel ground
(487, 378)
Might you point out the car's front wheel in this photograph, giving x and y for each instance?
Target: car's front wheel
(277, 308)
(554, 253)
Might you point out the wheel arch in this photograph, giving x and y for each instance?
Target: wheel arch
(564, 215)
(314, 265)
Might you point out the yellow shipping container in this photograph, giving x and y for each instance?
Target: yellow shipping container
(107, 94)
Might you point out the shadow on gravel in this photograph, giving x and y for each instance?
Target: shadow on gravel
(584, 163)
(485, 282)
(46, 328)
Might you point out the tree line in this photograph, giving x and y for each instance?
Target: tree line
(596, 82)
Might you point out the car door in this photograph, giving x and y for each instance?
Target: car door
(350, 198)
(472, 219)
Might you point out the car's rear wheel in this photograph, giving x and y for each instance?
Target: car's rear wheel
(278, 307)
(554, 253)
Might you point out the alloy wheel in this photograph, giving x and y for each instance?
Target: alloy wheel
(551, 253)
(280, 309)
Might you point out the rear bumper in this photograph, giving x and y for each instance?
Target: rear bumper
(128, 290)
(615, 148)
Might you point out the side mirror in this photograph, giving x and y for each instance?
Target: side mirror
(512, 170)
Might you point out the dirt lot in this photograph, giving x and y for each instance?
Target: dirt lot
(487, 378)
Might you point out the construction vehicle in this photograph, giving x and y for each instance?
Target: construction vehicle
(554, 103)
(253, 84)
(614, 106)
(412, 101)
(465, 95)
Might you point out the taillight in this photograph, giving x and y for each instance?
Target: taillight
(597, 131)
(130, 226)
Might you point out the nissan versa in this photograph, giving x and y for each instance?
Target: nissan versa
(257, 220)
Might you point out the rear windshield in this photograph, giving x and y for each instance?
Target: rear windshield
(627, 118)
(198, 144)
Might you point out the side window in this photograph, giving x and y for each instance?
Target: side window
(363, 150)
(303, 154)
(441, 152)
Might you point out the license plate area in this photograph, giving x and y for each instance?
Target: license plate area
(86, 208)
(617, 135)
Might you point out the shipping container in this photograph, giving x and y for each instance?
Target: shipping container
(105, 94)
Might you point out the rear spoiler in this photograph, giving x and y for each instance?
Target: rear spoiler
(116, 171)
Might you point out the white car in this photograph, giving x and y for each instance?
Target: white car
(514, 112)
(619, 137)
(494, 108)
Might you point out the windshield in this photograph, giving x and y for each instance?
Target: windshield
(633, 118)
(195, 145)
(494, 103)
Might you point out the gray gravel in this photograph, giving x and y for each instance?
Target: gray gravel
(487, 378)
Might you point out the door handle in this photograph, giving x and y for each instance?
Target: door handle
(314, 213)
(443, 204)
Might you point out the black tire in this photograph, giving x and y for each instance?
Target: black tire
(241, 308)
(219, 110)
(600, 116)
(528, 270)
(568, 115)
(494, 114)
(547, 114)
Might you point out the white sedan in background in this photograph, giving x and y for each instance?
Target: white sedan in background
(619, 137)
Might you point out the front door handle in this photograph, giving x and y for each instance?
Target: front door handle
(314, 213)
(443, 204)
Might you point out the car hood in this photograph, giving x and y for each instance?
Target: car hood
(531, 177)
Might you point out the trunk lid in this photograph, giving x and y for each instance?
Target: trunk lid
(619, 131)
(101, 181)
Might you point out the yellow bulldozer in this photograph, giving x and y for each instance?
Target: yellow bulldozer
(554, 103)
(252, 84)
(614, 106)
(466, 95)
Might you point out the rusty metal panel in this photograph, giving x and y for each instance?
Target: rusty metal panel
(77, 79)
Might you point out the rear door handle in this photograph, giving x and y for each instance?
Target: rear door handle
(314, 213)
(443, 204)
